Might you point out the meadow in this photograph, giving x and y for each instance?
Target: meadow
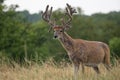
(50, 71)
(24, 36)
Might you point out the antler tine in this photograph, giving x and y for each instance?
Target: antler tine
(50, 22)
(70, 16)
(44, 14)
(47, 15)
(50, 11)
(69, 13)
(71, 9)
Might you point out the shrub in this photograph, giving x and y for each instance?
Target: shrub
(115, 46)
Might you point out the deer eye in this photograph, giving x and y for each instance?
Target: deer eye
(61, 31)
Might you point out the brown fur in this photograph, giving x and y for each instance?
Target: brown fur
(88, 53)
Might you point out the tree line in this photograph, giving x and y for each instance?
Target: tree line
(24, 36)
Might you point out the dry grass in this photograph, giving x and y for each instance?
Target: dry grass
(52, 72)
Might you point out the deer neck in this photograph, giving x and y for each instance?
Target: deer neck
(67, 42)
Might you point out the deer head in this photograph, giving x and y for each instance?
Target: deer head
(58, 29)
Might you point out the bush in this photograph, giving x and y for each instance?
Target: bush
(115, 46)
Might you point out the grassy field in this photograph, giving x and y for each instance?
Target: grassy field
(49, 71)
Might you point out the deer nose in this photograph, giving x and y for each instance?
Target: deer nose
(55, 36)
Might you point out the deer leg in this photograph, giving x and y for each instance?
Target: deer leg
(83, 69)
(107, 67)
(76, 68)
(96, 69)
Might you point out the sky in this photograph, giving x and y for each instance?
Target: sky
(88, 6)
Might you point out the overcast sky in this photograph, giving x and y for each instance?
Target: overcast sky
(88, 6)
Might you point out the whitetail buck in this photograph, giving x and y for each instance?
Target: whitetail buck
(86, 53)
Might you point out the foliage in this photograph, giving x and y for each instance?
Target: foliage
(115, 46)
(11, 27)
(29, 17)
(25, 36)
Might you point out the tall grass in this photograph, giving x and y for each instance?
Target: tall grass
(50, 71)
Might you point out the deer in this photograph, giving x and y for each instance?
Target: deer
(81, 52)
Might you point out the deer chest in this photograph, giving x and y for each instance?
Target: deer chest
(78, 58)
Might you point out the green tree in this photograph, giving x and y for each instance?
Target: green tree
(115, 46)
(11, 27)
